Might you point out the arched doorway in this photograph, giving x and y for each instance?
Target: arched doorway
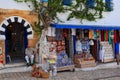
(15, 42)
(15, 31)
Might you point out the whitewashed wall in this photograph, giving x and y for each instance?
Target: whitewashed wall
(11, 4)
(110, 18)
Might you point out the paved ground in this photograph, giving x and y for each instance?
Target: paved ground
(103, 74)
(109, 71)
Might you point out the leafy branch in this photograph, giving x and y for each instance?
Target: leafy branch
(81, 9)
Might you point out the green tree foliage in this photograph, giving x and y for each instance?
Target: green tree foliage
(78, 8)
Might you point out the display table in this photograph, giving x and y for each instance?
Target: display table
(85, 63)
(68, 67)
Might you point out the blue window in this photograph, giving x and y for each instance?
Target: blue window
(67, 2)
(90, 3)
(108, 5)
(44, 0)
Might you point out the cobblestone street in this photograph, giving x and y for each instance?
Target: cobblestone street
(103, 74)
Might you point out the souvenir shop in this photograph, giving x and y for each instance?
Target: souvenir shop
(61, 44)
(86, 45)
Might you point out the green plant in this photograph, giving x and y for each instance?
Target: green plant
(79, 10)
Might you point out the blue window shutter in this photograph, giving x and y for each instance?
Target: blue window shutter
(90, 3)
(67, 2)
(109, 5)
(44, 0)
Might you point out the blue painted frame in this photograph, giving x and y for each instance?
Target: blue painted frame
(109, 5)
(44, 0)
(90, 3)
(67, 2)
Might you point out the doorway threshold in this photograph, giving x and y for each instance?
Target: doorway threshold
(12, 65)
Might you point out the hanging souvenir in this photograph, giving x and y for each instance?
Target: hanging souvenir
(55, 43)
(91, 42)
(106, 35)
(109, 37)
(102, 33)
(63, 43)
(91, 34)
(59, 43)
(64, 33)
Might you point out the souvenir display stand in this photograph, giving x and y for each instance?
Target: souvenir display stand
(84, 58)
(108, 54)
(63, 62)
(82, 62)
(63, 68)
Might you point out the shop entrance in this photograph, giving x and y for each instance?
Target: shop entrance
(15, 43)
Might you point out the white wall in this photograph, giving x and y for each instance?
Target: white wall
(110, 18)
(11, 4)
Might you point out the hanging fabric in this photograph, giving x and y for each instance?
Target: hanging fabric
(116, 48)
(102, 33)
(106, 35)
(109, 37)
(115, 40)
(119, 48)
(97, 31)
(117, 35)
(58, 33)
(64, 33)
(95, 34)
(91, 34)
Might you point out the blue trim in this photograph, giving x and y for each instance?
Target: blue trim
(67, 2)
(90, 3)
(74, 44)
(94, 27)
(109, 5)
(6, 48)
(44, 0)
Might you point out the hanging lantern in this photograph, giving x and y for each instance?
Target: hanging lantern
(108, 5)
(90, 3)
(67, 2)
